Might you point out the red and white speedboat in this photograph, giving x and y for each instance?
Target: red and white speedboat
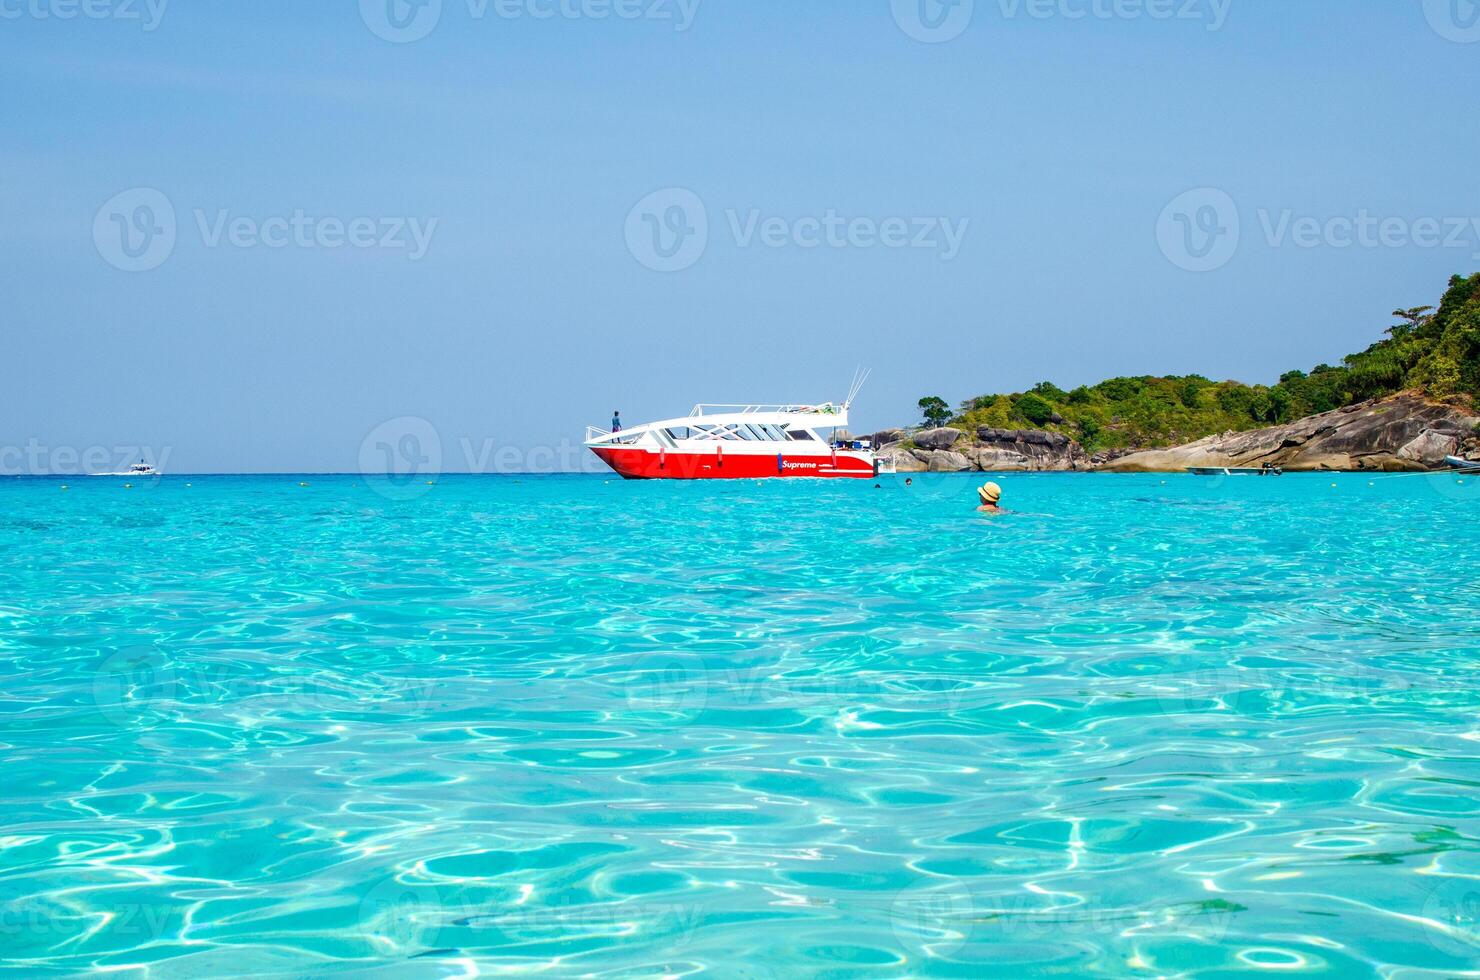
(734, 442)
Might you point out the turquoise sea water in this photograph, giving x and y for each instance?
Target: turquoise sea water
(1143, 727)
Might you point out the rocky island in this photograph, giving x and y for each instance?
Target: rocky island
(1405, 403)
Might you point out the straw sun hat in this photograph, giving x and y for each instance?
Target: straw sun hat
(990, 493)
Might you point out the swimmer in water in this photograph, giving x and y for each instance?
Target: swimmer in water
(990, 494)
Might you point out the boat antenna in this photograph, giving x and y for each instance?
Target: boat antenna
(860, 375)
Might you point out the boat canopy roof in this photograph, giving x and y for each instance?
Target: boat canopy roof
(724, 421)
(824, 408)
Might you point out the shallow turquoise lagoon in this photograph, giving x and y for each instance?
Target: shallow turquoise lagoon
(1143, 727)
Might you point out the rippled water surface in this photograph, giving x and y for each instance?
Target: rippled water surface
(1143, 727)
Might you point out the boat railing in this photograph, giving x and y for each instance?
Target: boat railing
(825, 408)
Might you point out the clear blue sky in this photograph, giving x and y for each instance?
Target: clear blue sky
(1060, 140)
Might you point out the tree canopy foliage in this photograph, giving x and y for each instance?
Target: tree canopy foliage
(1435, 351)
(935, 409)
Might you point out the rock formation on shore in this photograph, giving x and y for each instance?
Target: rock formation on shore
(1401, 432)
(948, 450)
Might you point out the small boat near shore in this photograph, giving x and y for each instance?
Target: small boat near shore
(1228, 470)
(1460, 463)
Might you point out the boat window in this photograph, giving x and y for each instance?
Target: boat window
(681, 432)
(664, 439)
(800, 435)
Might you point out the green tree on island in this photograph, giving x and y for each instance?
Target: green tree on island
(935, 410)
(1435, 351)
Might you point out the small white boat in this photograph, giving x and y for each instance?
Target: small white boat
(1460, 463)
(1226, 470)
(140, 468)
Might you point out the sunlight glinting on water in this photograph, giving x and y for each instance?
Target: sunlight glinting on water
(1141, 726)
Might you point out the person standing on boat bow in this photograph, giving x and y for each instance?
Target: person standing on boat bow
(617, 420)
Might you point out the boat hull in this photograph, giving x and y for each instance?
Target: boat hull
(640, 464)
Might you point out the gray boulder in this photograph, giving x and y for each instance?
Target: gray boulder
(943, 438)
(1430, 447)
(885, 436)
(943, 461)
(1001, 461)
(1027, 449)
(905, 461)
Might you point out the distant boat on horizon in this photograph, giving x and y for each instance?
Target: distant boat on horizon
(140, 468)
